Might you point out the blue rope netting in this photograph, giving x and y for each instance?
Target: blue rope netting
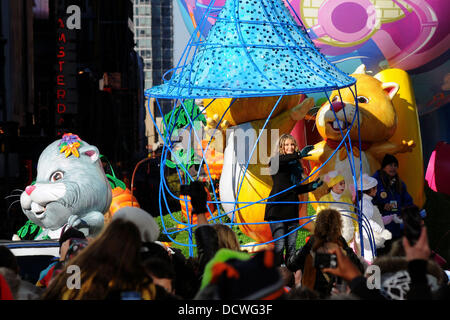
(254, 49)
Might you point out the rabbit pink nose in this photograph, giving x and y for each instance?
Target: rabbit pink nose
(337, 106)
(29, 189)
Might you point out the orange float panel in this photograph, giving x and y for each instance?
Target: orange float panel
(122, 198)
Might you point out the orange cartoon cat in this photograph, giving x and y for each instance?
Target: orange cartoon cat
(376, 123)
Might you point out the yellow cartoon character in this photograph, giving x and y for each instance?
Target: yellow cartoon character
(376, 124)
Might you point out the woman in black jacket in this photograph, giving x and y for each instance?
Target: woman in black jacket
(282, 208)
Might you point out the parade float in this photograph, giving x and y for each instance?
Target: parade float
(253, 67)
(253, 76)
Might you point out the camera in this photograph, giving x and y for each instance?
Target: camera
(325, 260)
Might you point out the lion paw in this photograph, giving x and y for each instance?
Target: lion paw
(407, 146)
(299, 112)
(215, 132)
(213, 123)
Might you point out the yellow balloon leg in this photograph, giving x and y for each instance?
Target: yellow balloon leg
(411, 169)
(253, 190)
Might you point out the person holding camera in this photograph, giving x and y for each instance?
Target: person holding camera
(314, 256)
(397, 274)
(415, 259)
(282, 208)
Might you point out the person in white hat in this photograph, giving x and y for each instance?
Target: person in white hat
(366, 188)
(338, 200)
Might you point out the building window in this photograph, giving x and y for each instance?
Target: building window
(154, 40)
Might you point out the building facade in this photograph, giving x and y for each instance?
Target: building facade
(66, 66)
(154, 42)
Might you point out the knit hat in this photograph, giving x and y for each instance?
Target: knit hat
(332, 178)
(367, 182)
(388, 159)
(233, 275)
(146, 224)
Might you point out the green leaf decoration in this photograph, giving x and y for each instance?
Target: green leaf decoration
(181, 160)
(29, 231)
(114, 182)
(170, 164)
(33, 228)
(180, 119)
(23, 230)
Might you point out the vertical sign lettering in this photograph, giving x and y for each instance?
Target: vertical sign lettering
(66, 96)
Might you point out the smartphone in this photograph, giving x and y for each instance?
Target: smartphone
(325, 260)
(412, 222)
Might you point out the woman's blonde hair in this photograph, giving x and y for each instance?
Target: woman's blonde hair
(282, 141)
(227, 237)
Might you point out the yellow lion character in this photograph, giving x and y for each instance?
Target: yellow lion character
(376, 124)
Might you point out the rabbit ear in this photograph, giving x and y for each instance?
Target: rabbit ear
(91, 151)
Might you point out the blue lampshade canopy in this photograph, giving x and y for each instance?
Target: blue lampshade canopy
(255, 48)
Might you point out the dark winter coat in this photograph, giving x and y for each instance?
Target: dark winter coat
(289, 173)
